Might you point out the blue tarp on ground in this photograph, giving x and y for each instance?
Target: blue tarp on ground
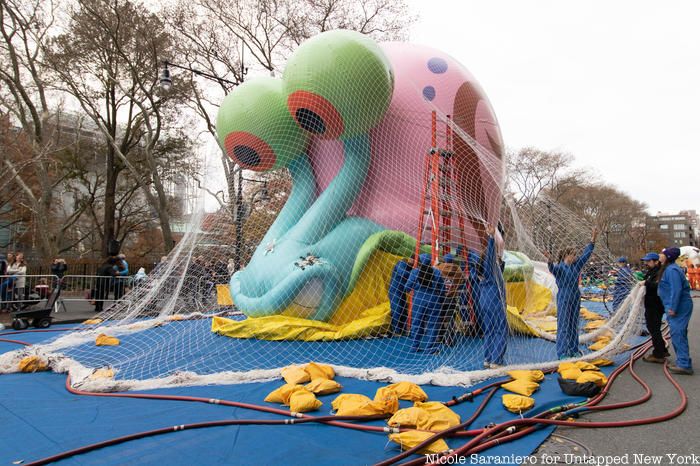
(40, 418)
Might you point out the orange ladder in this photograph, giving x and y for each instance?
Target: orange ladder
(440, 191)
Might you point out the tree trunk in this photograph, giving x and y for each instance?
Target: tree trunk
(109, 203)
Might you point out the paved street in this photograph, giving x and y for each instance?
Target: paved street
(679, 435)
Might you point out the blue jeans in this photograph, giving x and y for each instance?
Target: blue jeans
(679, 338)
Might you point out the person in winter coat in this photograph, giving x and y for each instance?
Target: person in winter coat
(428, 305)
(398, 298)
(623, 283)
(653, 309)
(674, 292)
(566, 273)
(105, 274)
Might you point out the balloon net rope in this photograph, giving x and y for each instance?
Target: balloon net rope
(378, 236)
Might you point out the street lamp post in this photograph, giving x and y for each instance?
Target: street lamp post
(166, 83)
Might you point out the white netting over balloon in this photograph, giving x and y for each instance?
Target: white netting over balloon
(384, 243)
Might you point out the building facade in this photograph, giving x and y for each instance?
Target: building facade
(665, 229)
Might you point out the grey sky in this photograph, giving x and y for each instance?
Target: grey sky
(616, 83)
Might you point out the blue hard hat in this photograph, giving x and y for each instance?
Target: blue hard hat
(622, 259)
(651, 256)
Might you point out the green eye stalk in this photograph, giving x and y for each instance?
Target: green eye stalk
(256, 129)
(339, 84)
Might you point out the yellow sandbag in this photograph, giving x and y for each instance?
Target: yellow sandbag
(348, 397)
(32, 364)
(566, 365)
(602, 362)
(597, 378)
(223, 295)
(295, 375)
(441, 417)
(533, 376)
(409, 417)
(586, 366)
(588, 315)
(408, 391)
(594, 324)
(282, 394)
(103, 373)
(411, 438)
(599, 344)
(517, 403)
(387, 400)
(323, 386)
(303, 401)
(521, 387)
(571, 374)
(92, 322)
(320, 371)
(359, 407)
(106, 340)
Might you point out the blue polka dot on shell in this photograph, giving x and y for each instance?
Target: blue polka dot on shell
(437, 65)
(429, 92)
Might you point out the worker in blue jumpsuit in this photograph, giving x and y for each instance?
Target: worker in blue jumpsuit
(623, 283)
(674, 292)
(491, 305)
(398, 297)
(566, 273)
(428, 305)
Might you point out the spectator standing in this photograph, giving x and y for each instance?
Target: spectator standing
(654, 309)
(19, 270)
(121, 273)
(105, 274)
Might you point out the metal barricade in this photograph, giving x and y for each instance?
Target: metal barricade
(21, 291)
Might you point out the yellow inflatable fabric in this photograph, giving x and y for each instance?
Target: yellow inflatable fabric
(319, 371)
(282, 394)
(369, 294)
(323, 386)
(596, 377)
(406, 391)
(295, 375)
(33, 364)
(602, 362)
(303, 401)
(521, 387)
(411, 438)
(566, 365)
(533, 376)
(527, 303)
(223, 296)
(441, 417)
(517, 403)
(106, 340)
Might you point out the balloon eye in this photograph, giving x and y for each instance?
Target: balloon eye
(249, 151)
(315, 114)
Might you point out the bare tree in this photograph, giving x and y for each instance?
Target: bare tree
(36, 169)
(107, 60)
